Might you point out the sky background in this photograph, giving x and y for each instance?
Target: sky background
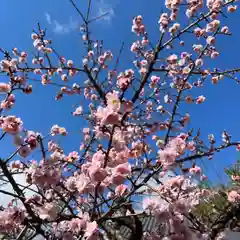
(40, 111)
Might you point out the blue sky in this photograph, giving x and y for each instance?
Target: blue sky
(40, 111)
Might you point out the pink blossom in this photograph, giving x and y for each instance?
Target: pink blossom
(191, 146)
(195, 170)
(11, 219)
(97, 174)
(57, 155)
(124, 168)
(117, 178)
(72, 156)
(69, 63)
(121, 190)
(203, 177)
(43, 175)
(5, 88)
(107, 116)
(235, 178)
(113, 101)
(211, 40)
(233, 196)
(178, 143)
(71, 184)
(214, 54)
(98, 158)
(149, 204)
(91, 231)
(214, 4)
(138, 27)
(11, 124)
(31, 139)
(167, 157)
(172, 59)
(64, 77)
(58, 130)
(78, 111)
(45, 79)
(76, 225)
(37, 71)
(24, 151)
(127, 106)
(163, 21)
(181, 206)
(48, 211)
(200, 99)
(8, 103)
(84, 184)
(34, 36)
(225, 29)
(199, 62)
(123, 82)
(52, 146)
(33, 199)
(16, 164)
(161, 212)
(176, 181)
(134, 46)
(155, 79)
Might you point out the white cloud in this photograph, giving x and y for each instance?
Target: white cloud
(48, 18)
(61, 28)
(6, 186)
(105, 9)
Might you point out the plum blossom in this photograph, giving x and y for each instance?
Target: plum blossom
(200, 99)
(32, 139)
(72, 156)
(24, 151)
(98, 158)
(5, 88)
(161, 212)
(214, 4)
(76, 225)
(58, 130)
(176, 181)
(233, 196)
(124, 79)
(121, 190)
(117, 178)
(107, 116)
(8, 102)
(11, 124)
(96, 173)
(211, 40)
(44, 175)
(11, 219)
(124, 168)
(91, 231)
(78, 111)
(163, 21)
(113, 101)
(138, 26)
(133, 130)
(48, 211)
(167, 157)
(195, 170)
(235, 178)
(149, 204)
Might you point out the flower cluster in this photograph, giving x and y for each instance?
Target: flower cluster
(132, 132)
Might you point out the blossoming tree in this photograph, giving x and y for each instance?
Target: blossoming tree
(93, 192)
